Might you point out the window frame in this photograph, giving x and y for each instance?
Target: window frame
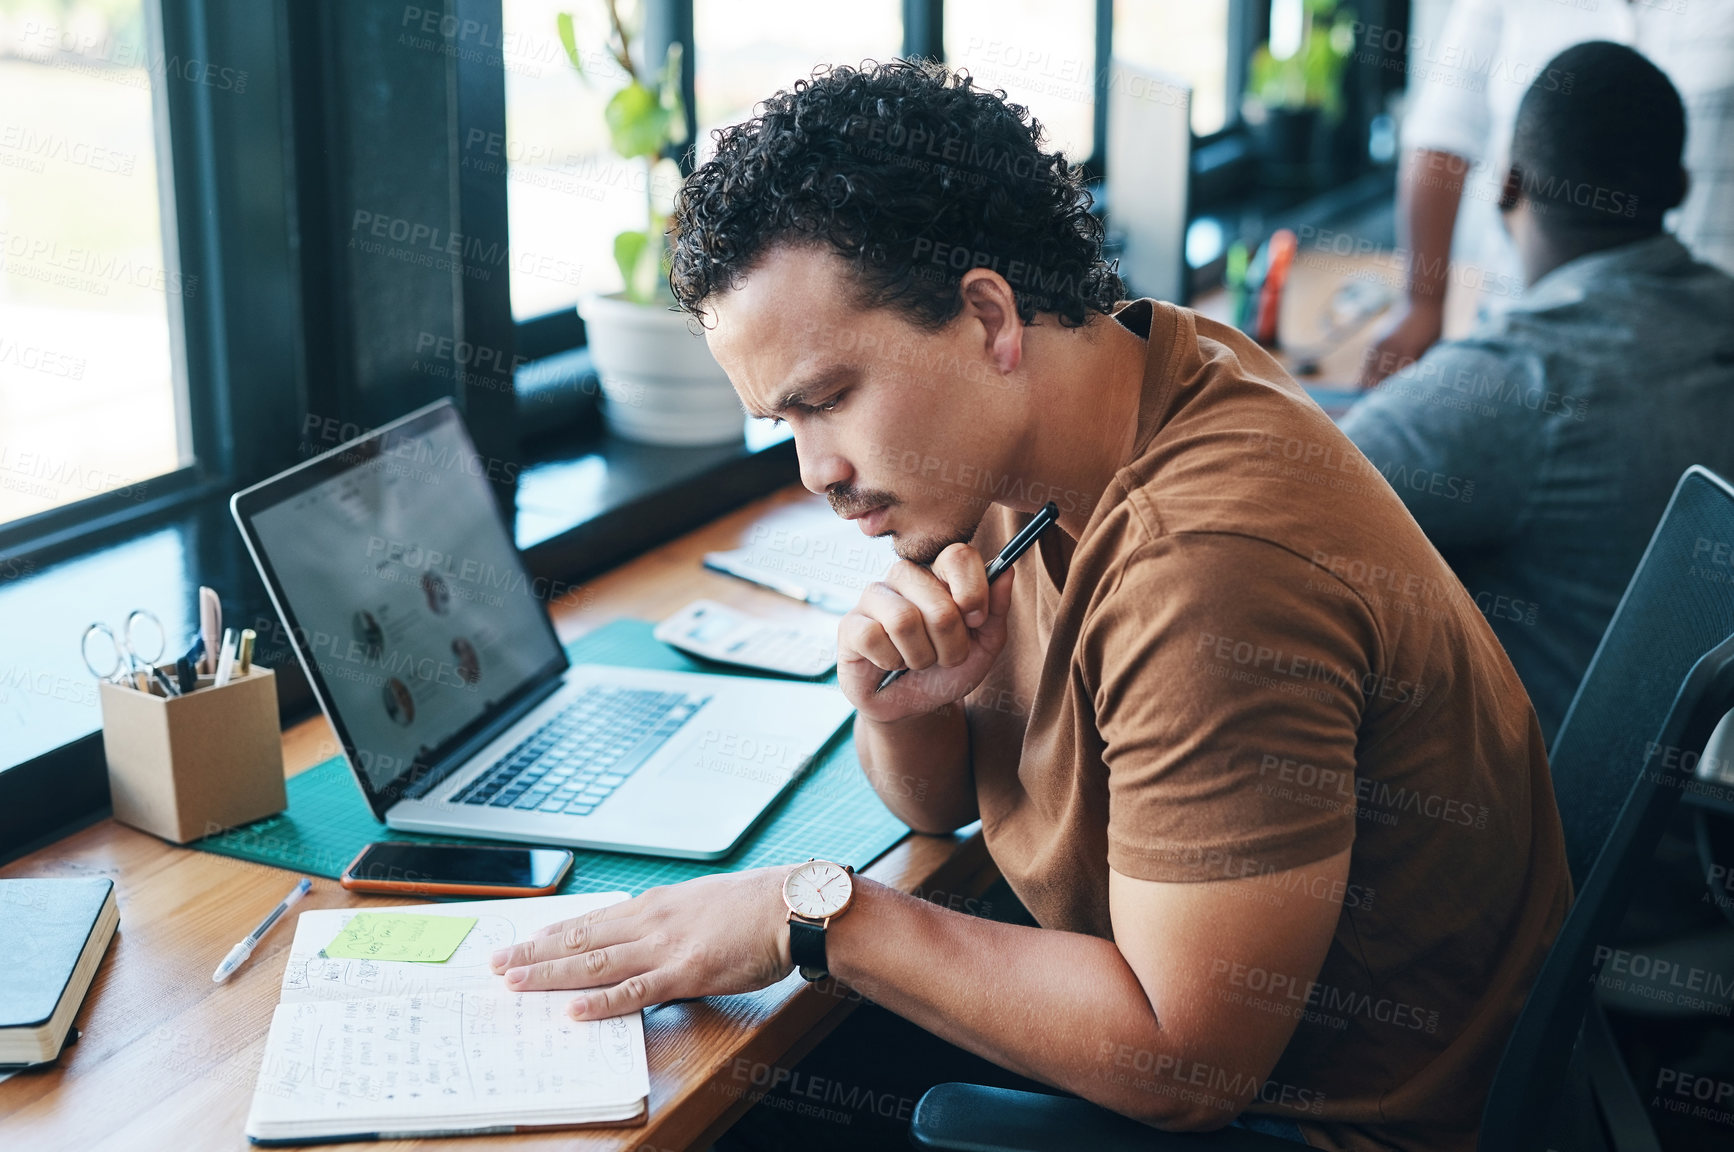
(241, 348)
(211, 134)
(668, 22)
(1224, 162)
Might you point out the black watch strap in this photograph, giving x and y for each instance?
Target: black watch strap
(807, 948)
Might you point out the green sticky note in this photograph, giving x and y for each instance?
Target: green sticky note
(400, 936)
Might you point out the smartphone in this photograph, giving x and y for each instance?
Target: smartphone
(407, 868)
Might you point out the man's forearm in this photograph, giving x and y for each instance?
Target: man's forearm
(920, 767)
(1431, 191)
(1059, 1007)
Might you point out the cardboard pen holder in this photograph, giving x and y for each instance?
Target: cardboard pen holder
(182, 767)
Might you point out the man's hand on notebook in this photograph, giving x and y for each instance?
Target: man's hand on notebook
(712, 936)
(945, 624)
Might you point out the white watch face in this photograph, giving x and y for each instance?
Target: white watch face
(817, 889)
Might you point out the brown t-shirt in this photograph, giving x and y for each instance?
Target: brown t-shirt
(1252, 660)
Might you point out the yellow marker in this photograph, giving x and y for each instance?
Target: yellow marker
(246, 654)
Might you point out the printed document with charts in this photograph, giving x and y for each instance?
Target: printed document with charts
(363, 1049)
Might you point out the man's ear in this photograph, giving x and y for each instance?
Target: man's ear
(1512, 191)
(1685, 187)
(990, 302)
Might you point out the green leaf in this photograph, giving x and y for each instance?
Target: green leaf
(671, 100)
(569, 40)
(637, 122)
(629, 250)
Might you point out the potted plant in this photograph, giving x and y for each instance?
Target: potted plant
(660, 384)
(1296, 100)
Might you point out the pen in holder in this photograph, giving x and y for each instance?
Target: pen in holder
(182, 767)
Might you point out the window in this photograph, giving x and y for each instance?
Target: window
(567, 194)
(1189, 38)
(748, 49)
(91, 400)
(1041, 52)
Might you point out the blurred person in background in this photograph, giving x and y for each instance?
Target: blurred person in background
(1465, 87)
(1539, 452)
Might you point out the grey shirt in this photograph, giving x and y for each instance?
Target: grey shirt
(1538, 453)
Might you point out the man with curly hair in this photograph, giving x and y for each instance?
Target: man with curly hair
(1243, 746)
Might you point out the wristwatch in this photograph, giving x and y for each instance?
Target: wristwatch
(816, 892)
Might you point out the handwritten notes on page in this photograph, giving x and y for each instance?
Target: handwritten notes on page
(360, 1046)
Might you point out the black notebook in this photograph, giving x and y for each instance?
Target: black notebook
(52, 937)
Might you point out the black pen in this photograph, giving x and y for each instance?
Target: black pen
(1008, 555)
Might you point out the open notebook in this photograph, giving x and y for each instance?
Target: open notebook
(364, 1049)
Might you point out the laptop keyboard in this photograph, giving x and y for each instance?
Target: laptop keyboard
(578, 758)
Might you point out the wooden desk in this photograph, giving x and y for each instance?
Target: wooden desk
(168, 1059)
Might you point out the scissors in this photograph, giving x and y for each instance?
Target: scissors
(132, 655)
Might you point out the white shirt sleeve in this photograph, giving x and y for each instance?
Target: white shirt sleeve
(1448, 79)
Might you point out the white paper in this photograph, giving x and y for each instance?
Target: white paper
(360, 1046)
(808, 553)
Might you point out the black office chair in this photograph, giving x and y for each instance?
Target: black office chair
(1661, 678)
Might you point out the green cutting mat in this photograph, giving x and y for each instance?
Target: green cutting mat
(830, 813)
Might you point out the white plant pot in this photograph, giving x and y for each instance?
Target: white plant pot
(660, 384)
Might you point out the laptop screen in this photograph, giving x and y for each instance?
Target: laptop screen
(407, 594)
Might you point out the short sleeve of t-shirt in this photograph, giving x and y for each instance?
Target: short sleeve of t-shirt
(1448, 107)
(1229, 676)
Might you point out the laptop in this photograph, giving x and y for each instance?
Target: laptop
(430, 652)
